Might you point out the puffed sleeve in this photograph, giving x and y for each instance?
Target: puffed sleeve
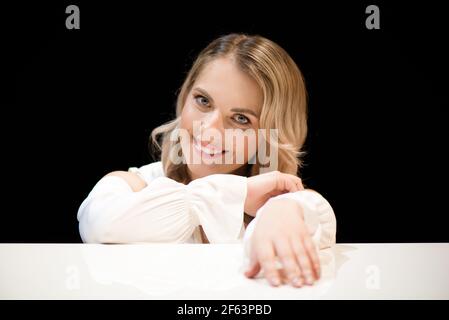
(319, 218)
(164, 211)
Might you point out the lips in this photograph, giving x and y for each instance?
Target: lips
(209, 150)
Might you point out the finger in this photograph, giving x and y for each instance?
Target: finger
(254, 265)
(303, 259)
(285, 185)
(253, 269)
(299, 184)
(310, 250)
(267, 260)
(312, 253)
(289, 262)
(292, 185)
(297, 181)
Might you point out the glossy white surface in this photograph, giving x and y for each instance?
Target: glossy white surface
(196, 271)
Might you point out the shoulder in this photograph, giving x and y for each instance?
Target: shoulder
(149, 172)
(134, 181)
(139, 178)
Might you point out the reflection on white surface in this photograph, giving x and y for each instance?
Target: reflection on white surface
(195, 271)
(171, 271)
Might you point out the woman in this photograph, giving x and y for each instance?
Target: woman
(242, 95)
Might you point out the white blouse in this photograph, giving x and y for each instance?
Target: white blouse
(168, 211)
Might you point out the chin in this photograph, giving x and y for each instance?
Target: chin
(203, 170)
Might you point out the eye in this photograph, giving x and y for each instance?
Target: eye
(202, 101)
(241, 119)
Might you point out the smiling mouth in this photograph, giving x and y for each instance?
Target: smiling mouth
(206, 151)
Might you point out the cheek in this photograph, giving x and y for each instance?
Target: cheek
(188, 116)
(249, 147)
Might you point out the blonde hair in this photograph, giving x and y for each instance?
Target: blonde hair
(284, 98)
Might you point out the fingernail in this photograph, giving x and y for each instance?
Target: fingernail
(296, 281)
(275, 281)
(309, 279)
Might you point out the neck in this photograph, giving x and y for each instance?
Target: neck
(245, 171)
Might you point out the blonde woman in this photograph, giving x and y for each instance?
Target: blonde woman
(214, 177)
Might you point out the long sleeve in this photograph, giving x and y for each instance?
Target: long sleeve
(319, 218)
(164, 211)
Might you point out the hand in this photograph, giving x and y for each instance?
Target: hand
(281, 233)
(264, 186)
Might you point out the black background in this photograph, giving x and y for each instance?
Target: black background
(85, 102)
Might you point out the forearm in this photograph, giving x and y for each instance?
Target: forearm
(164, 211)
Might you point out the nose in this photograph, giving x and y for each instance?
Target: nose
(211, 125)
(213, 120)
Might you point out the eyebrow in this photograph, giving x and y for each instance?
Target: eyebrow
(204, 92)
(244, 110)
(240, 110)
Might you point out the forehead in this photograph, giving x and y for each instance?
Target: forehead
(229, 87)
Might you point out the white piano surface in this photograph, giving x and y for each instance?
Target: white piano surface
(205, 271)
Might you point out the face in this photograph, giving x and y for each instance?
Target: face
(222, 107)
